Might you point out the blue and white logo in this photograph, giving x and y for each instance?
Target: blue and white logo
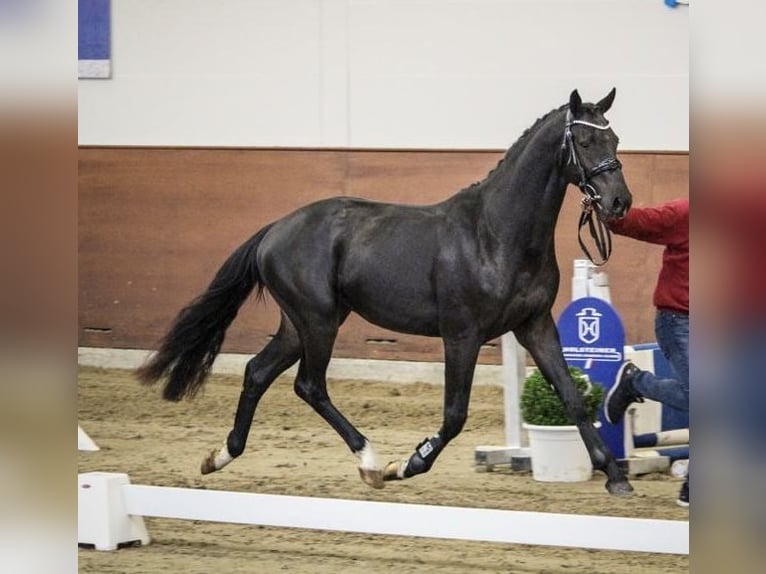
(589, 325)
(590, 330)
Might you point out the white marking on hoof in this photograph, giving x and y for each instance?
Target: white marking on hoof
(367, 458)
(368, 466)
(216, 460)
(222, 458)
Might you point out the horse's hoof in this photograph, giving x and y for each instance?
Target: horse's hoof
(372, 477)
(391, 472)
(208, 464)
(621, 488)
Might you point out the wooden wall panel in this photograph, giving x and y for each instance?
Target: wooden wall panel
(155, 224)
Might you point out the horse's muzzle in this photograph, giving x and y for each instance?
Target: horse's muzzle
(617, 210)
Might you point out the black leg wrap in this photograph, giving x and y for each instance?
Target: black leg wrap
(425, 455)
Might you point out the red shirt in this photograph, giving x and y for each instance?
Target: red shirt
(665, 224)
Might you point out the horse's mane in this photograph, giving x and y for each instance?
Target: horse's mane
(518, 145)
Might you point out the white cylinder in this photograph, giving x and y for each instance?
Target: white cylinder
(558, 454)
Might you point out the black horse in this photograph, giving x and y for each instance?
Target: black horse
(468, 269)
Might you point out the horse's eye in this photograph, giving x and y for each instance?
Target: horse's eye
(585, 143)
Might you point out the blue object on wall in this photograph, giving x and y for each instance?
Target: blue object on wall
(94, 39)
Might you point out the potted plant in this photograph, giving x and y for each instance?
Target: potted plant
(558, 453)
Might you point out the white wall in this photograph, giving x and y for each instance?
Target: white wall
(384, 73)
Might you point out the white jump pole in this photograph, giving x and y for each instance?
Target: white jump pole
(131, 502)
(516, 450)
(514, 373)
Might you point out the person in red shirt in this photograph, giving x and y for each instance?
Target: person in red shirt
(665, 224)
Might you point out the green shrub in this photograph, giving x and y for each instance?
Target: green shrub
(540, 405)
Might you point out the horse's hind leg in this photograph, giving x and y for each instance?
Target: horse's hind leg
(277, 356)
(542, 341)
(311, 386)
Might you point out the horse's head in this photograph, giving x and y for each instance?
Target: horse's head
(590, 157)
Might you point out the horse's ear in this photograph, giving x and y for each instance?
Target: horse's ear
(575, 103)
(606, 103)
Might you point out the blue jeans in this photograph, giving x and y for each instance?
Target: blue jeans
(672, 330)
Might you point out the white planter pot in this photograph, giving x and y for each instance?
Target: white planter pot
(558, 454)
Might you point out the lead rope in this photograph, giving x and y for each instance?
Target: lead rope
(600, 233)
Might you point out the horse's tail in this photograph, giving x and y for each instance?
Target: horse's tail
(187, 352)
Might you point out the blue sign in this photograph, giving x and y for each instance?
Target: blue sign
(593, 340)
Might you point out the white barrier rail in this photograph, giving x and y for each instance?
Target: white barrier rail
(475, 524)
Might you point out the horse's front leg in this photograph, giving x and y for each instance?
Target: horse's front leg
(460, 361)
(541, 339)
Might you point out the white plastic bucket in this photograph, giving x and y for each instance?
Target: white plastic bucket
(558, 454)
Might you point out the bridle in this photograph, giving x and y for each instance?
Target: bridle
(590, 201)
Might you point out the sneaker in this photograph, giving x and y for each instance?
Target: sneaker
(622, 393)
(683, 495)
